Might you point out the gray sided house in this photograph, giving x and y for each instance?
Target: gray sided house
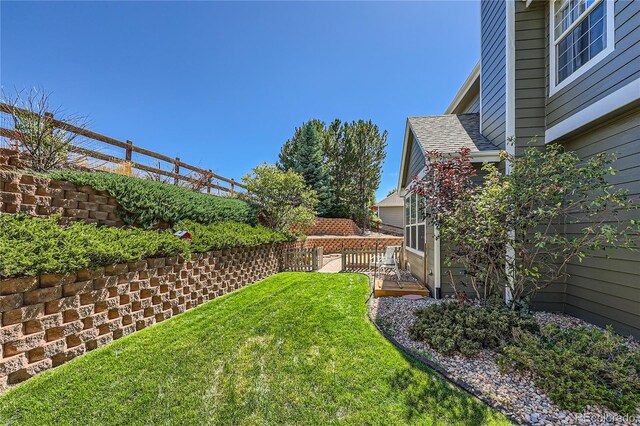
(564, 72)
(391, 209)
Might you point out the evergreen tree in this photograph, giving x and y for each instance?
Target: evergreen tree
(304, 154)
(288, 152)
(342, 162)
(355, 154)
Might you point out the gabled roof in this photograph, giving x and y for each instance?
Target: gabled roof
(448, 133)
(393, 200)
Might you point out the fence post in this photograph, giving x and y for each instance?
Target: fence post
(232, 186)
(209, 181)
(176, 170)
(314, 259)
(128, 151)
(344, 260)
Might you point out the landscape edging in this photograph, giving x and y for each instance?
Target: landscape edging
(444, 374)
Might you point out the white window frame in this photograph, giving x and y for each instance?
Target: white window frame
(553, 44)
(408, 226)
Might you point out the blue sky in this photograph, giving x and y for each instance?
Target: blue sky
(222, 85)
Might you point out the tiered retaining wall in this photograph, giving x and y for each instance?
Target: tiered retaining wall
(335, 244)
(10, 159)
(330, 226)
(40, 196)
(49, 320)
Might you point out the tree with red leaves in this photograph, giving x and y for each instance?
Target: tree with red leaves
(445, 179)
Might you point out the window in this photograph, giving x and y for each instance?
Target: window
(414, 223)
(581, 35)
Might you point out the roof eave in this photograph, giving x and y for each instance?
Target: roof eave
(466, 86)
(489, 156)
(405, 152)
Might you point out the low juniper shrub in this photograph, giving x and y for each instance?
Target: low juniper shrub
(462, 327)
(218, 236)
(146, 203)
(578, 366)
(34, 246)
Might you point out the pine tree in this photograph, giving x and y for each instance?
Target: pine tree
(304, 154)
(342, 162)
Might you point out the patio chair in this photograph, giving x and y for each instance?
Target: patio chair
(388, 262)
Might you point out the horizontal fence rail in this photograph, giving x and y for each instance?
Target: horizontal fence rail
(302, 259)
(365, 258)
(122, 161)
(387, 228)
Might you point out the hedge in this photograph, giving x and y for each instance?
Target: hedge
(218, 236)
(34, 246)
(146, 202)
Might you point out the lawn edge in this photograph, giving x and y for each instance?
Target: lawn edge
(444, 374)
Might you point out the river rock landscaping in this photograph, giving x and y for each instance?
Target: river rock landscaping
(515, 392)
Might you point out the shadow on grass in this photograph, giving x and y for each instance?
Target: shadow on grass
(438, 397)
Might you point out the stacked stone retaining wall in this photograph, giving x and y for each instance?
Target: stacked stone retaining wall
(330, 226)
(48, 320)
(331, 244)
(41, 196)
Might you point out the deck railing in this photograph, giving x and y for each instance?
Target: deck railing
(127, 156)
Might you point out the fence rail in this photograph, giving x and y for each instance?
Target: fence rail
(387, 228)
(303, 259)
(365, 258)
(206, 178)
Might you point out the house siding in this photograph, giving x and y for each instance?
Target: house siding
(600, 289)
(416, 160)
(471, 106)
(617, 69)
(530, 75)
(391, 215)
(531, 25)
(493, 75)
(414, 263)
(456, 270)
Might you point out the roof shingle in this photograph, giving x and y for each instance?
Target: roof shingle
(393, 200)
(448, 133)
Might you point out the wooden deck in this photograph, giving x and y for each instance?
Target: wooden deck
(391, 287)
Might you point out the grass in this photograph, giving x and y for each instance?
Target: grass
(296, 348)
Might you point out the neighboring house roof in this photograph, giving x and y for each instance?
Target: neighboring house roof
(393, 200)
(448, 133)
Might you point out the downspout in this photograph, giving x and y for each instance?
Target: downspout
(436, 261)
(510, 124)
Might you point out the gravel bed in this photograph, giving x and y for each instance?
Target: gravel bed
(516, 392)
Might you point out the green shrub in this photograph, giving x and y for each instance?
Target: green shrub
(146, 202)
(459, 327)
(33, 246)
(578, 367)
(217, 236)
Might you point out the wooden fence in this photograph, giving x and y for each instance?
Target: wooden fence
(302, 259)
(364, 258)
(387, 228)
(204, 179)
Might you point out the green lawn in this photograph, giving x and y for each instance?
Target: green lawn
(296, 348)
